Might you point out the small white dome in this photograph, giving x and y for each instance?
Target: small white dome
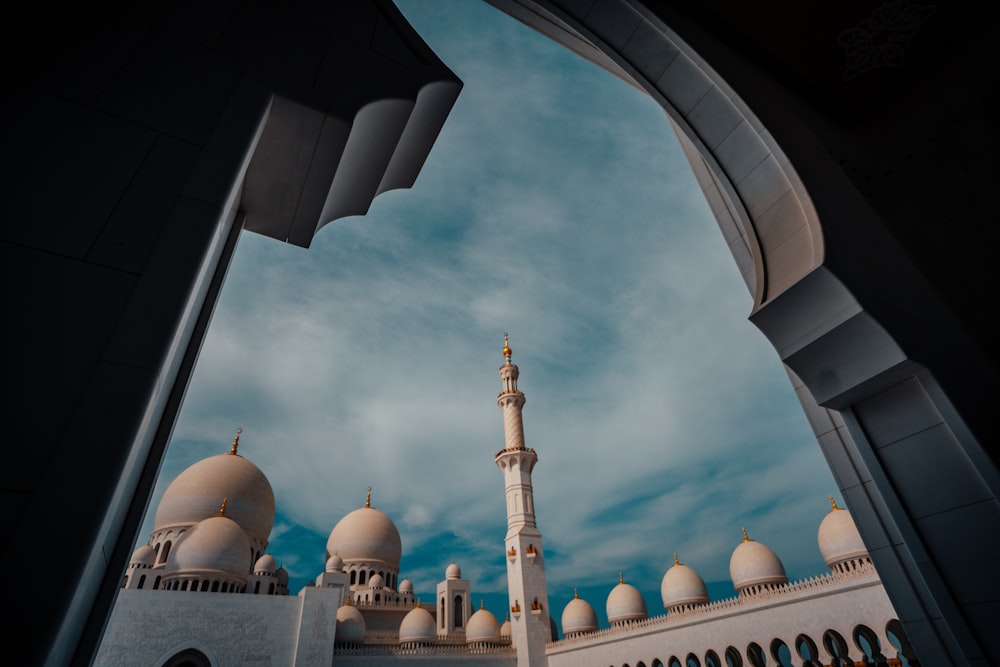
(578, 616)
(417, 626)
(334, 564)
(350, 624)
(682, 586)
(453, 571)
(838, 537)
(625, 603)
(482, 627)
(376, 581)
(144, 555)
(406, 586)
(265, 565)
(505, 629)
(753, 564)
(217, 543)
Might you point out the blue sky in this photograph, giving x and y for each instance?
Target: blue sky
(555, 205)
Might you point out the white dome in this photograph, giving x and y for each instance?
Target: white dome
(406, 586)
(366, 534)
(682, 586)
(376, 581)
(753, 564)
(335, 563)
(144, 555)
(482, 627)
(417, 626)
(198, 491)
(505, 629)
(350, 624)
(265, 564)
(838, 537)
(453, 571)
(625, 603)
(215, 544)
(578, 616)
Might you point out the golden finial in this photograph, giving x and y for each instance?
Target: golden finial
(506, 616)
(236, 441)
(368, 500)
(482, 604)
(348, 603)
(506, 344)
(418, 602)
(621, 579)
(576, 596)
(746, 538)
(833, 504)
(676, 562)
(222, 509)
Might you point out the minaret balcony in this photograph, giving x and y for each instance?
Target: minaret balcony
(512, 554)
(531, 551)
(515, 609)
(536, 608)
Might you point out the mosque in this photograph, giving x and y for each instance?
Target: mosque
(205, 591)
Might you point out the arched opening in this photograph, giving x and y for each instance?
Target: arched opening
(755, 655)
(673, 662)
(904, 650)
(692, 661)
(458, 611)
(780, 653)
(442, 616)
(188, 658)
(733, 657)
(142, 581)
(712, 659)
(836, 647)
(807, 650)
(868, 643)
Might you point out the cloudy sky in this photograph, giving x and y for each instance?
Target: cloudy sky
(555, 205)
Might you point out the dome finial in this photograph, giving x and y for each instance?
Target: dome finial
(833, 504)
(676, 562)
(482, 604)
(222, 508)
(347, 602)
(576, 596)
(506, 345)
(621, 579)
(368, 500)
(236, 441)
(746, 538)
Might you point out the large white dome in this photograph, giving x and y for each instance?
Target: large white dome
(217, 544)
(578, 616)
(417, 626)
(625, 603)
(753, 564)
(682, 586)
(482, 627)
(838, 537)
(366, 534)
(197, 492)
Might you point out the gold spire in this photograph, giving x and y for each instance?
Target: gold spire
(676, 562)
(621, 579)
(576, 596)
(506, 616)
(506, 344)
(348, 603)
(222, 509)
(418, 602)
(236, 441)
(482, 604)
(833, 504)
(368, 500)
(746, 538)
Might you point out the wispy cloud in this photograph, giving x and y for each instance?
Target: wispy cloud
(557, 206)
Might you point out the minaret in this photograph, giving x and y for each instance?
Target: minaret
(530, 628)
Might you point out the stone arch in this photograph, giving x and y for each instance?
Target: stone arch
(800, 231)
